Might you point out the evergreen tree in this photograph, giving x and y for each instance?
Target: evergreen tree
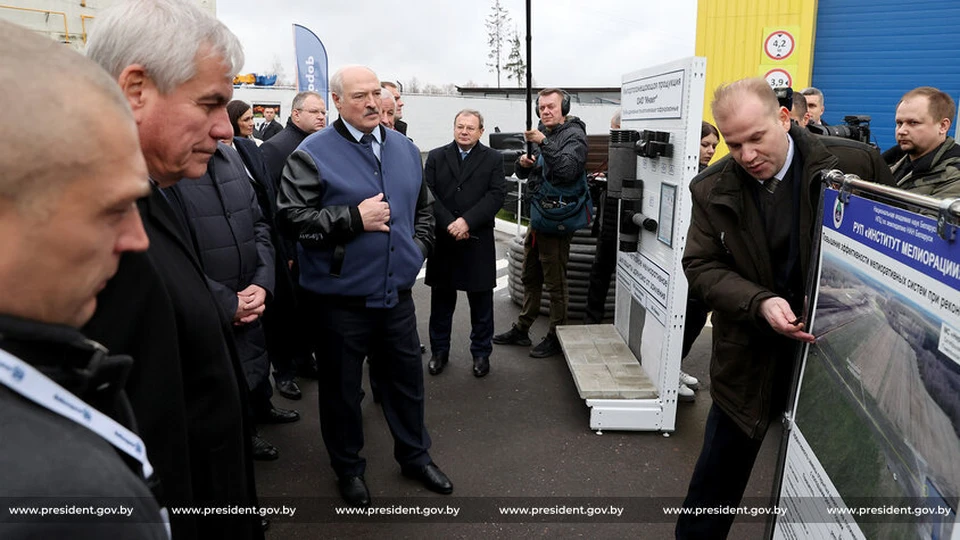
(497, 23)
(516, 67)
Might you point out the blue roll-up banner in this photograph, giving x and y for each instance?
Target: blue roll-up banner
(311, 61)
(875, 447)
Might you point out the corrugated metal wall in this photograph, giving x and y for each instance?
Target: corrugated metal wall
(730, 34)
(868, 54)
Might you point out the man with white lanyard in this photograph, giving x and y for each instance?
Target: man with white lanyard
(71, 465)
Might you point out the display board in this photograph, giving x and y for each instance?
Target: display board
(651, 290)
(874, 445)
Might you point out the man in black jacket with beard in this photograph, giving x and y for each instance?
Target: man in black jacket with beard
(67, 213)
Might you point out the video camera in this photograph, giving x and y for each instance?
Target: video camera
(855, 127)
(510, 144)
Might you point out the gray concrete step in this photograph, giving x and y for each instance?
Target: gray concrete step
(602, 365)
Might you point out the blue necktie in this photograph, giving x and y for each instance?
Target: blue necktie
(463, 155)
(367, 138)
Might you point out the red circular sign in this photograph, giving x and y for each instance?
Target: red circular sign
(779, 45)
(777, 78)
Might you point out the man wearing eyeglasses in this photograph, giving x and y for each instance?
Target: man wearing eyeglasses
(467, 180)
(309, 115)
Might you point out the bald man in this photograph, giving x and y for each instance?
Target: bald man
(355, 198)
(748, 256)
(67, 213)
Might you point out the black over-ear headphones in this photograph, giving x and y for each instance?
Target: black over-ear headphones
(564, 104)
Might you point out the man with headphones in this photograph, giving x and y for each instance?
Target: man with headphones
(562, 157)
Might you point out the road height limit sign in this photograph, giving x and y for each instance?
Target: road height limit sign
(779, 45)
(778, 77)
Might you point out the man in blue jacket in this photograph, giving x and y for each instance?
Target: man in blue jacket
(355, 199)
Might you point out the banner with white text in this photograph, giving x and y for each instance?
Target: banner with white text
(311, 62)
(875, 447)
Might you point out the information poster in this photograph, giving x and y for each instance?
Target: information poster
(875, 449)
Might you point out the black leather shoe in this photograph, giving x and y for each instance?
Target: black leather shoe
(431, 477)
(438, 362)
(289, 389)
(481, 365)
(277, 415)
(550, 346)
(264, 451)
(354, 491)
(512, 337)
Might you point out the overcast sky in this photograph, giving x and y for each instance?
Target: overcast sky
(575, 42)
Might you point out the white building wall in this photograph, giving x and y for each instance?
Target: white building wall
(430, 117)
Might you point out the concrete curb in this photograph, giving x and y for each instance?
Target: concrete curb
(509, 227)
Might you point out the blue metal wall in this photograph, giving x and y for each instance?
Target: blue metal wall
(867, 54)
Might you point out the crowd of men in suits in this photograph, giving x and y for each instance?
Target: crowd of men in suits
(203, 257)
(159, 260)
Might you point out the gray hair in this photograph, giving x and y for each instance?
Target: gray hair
(472, 112)
(387, 96)
(36, 72)
(811, 91)
(298, 99)
(336, 81)
(165, 37)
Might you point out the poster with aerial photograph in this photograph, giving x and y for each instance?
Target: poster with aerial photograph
(875, 448)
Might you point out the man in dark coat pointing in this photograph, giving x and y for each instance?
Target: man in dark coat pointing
(467, 180)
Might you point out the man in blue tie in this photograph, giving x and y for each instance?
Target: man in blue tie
(467, 180)
(355, 199)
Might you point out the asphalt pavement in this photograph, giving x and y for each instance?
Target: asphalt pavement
(517, 438)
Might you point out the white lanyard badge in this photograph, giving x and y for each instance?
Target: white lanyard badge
(27, 381)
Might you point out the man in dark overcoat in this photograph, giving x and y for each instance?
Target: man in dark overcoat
(467, 180)
(186, 387)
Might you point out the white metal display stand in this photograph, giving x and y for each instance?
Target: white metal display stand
(651, 289)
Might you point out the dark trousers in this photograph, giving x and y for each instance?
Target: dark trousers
(347, 334)
(283, 323)
(693, 323)
(719, 478)
(605, 263)
(545, 259)
(260, 395)
(443, 302)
